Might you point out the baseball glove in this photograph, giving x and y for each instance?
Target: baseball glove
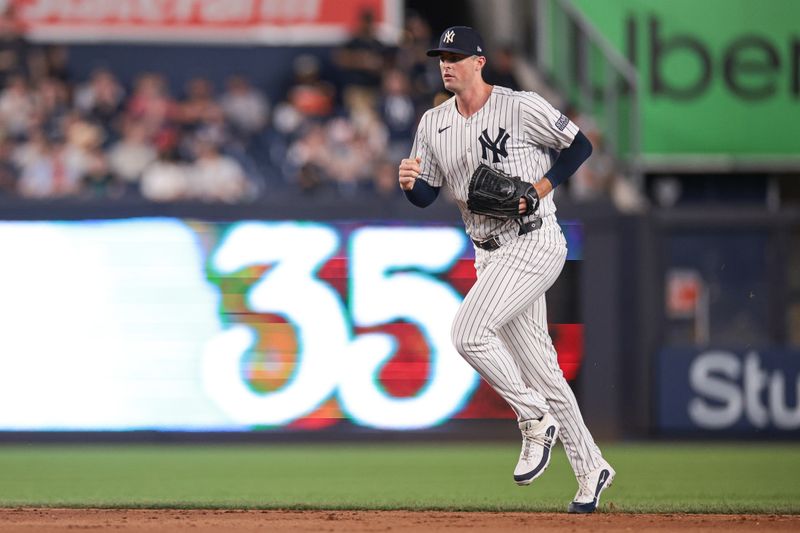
(496, 194)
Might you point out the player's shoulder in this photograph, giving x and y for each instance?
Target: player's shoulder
(503, 92)
(530, 105)
(521, 96)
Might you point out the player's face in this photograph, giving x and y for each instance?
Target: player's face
(459, 71)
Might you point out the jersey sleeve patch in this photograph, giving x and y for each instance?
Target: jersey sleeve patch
(562, 122)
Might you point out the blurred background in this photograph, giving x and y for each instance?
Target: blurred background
(202, 233)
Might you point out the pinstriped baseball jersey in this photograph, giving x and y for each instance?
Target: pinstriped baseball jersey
(512, 132)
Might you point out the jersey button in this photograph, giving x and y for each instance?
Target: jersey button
(469, 149)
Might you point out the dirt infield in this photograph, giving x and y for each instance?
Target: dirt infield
(201, 521)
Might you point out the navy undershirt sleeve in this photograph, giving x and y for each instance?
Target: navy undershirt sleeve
(422, 194)
(570, 159)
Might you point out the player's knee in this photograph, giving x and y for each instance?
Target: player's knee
(465, 341)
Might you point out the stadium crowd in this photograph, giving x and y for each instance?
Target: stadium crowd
(339, 135)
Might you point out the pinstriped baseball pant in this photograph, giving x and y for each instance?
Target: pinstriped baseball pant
(501, 331)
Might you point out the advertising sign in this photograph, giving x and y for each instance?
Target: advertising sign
(721, 391)
(171, 324)
(716, 78)
(205, 21)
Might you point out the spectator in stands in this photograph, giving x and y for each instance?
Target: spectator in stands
(13, 46)
(83, 148)
(349, 162)
(166, 180)
(52, 106)
(152, 104)
(17, 107)
(339, 156)
(49, 61)
(384, 185)
(309, 97)
(307, 160)
(8, 170)
(398, 113)
(215, 177)
(245, 108)
(363, 114)
(98, 181)
(23, 154)
(599, 178)
(365, 138)
(131, 155)
(47, 169)
(361, 59)
(199, 107)
(593, 181)
(101, 99)
(502, 68)
(411, 58)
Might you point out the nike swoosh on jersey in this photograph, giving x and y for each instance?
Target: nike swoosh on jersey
(442, 129)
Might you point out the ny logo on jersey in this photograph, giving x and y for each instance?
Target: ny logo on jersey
(449, 36)
(496, 146)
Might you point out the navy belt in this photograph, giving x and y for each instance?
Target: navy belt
(493, 243)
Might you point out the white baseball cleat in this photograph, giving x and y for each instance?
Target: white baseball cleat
(590, 486)
(538, 438)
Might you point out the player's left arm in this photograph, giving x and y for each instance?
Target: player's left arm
(546, 126)
(565, 165)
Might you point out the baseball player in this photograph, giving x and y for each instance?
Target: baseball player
(501, 327)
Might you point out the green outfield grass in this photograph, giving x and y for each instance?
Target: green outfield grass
(703, 478)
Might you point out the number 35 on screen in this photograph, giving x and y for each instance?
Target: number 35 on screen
(392, 277)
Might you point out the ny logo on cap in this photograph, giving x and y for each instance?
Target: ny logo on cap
(449, 36)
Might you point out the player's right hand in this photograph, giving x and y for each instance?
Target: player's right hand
(409, 171)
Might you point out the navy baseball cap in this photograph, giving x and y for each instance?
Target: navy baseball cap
(459, 40)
